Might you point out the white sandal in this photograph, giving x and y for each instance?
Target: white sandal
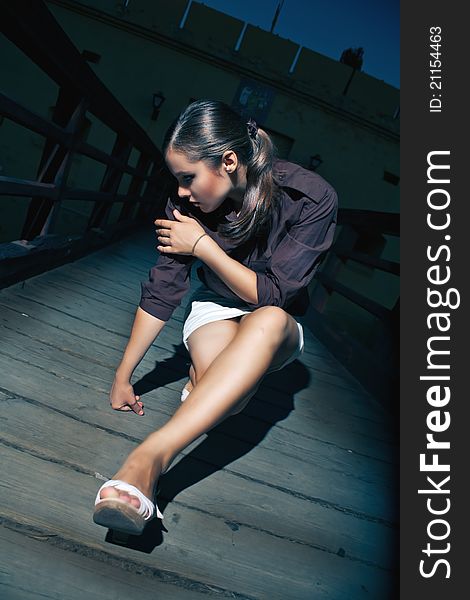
(120, 515)
(185, 393)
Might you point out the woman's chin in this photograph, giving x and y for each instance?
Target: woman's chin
(208, 209)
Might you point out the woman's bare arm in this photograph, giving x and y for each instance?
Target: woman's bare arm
(144, 331)
(237, 277)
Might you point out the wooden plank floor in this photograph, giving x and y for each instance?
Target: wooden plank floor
(293, 498)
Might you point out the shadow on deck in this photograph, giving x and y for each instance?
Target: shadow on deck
(293, 498)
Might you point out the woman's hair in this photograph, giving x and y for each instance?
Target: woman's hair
(204, 131)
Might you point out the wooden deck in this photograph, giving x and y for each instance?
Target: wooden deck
(292, 499)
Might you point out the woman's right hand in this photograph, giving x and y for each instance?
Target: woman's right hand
(122, 397)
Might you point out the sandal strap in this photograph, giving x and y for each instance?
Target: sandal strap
(146, 508)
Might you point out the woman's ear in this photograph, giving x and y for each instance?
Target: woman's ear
(229, 161)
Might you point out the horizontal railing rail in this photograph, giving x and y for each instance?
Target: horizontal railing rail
(361, 239)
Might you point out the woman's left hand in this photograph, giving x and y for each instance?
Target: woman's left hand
(177, 237)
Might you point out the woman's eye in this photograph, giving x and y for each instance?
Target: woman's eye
(188, 178)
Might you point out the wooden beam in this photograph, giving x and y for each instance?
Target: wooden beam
(332, 266)
(135, 188)
(23, 116)
(22, 187)
(370, 306)
(10, 186)
(383, 222)
(378, 376)
(389, 266)
(111, 180)
(58, 250)
(31, 27)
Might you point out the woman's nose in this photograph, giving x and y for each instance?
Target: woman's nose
(183, 192)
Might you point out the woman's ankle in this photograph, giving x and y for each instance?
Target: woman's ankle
(158, 445)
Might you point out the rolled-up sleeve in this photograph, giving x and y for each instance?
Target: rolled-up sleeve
(296, 258)
(168, 281)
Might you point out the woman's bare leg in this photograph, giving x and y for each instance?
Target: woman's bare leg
(207, 342)
(264, 338)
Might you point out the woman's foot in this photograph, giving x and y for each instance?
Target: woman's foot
(126, 502)
(140, 470)
(186, 390)
(189, 385)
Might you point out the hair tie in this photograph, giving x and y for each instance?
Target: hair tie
(252, 128)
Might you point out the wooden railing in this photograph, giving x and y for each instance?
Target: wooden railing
(31, 27)
(375, 362)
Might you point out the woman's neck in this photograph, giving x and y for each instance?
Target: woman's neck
(237, 193)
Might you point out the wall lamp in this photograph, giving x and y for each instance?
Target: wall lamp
(158, 100)
(315, 162)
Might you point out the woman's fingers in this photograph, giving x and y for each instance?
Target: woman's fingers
(166, 224)
(122, 398)
(163, 232)
(137, 408)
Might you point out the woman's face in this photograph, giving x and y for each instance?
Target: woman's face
(203, 187)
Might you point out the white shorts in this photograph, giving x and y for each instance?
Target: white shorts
(203, 312)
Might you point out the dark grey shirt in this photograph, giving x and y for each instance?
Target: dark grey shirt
(285, 258)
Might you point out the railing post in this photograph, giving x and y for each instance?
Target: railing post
(153, 191)
(77, 128)
(112, 178)
(135, 188)
(55, 164)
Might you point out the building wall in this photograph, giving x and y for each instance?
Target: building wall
(143, 51)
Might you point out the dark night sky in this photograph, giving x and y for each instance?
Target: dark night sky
(331, 26)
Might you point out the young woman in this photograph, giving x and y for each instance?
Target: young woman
(259, 226)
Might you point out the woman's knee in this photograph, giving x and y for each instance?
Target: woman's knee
(271, 321)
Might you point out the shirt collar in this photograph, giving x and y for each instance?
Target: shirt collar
(286, 174)
(292, 176)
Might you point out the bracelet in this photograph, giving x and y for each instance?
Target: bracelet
(199, 238)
